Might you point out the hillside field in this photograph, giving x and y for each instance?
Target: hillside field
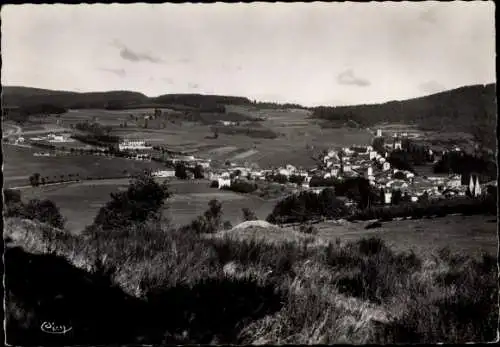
(19, 164)
(464, 234)
(80, 202)
(298, 135)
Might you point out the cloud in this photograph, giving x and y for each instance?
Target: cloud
(428, 15)
(168, 80)
(348, 78)
(431, 87)
(192, 85)
(184, 60)
(130, 55)
(119, 72)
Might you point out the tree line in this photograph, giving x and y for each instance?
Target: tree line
(466, 165)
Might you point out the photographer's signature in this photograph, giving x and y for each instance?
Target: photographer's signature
(52, 328)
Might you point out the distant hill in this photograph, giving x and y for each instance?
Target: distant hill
(29, 97)
(470, 109)
(200, 100)
(25, 96)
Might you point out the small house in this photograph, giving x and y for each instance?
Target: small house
(387, 197)
(224, 182)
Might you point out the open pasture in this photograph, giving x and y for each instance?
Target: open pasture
(20, 162)
(191, 200)
(297, 133)
(464, 234)
(80, 202)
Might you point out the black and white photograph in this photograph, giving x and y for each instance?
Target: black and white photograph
(249, 173)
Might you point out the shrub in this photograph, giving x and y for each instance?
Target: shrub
(44, 211)
(373, 225)
(467, 313)
(210, 221)
(242, 187)
(307, 206)
(180, 171)
(248, 214)
(297, 179)
(308, 229)
(214, 184)
(143, 199)
(198, 172)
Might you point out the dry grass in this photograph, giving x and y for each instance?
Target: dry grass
(345, 292)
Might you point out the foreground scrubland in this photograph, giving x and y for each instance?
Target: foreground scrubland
(150, 283)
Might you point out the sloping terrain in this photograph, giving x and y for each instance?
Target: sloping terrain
(471, 109)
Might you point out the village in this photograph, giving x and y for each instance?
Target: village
(334, 164)
(345, 163)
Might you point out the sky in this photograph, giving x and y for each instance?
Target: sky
(307, 53)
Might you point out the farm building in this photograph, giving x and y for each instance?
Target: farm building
(224, 182)
(132, 144)
(164, 173)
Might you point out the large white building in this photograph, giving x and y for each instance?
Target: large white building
(133, 144)
(224, 182)
(164, 173)
(56, 138)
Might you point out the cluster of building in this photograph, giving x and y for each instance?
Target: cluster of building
(364, 161)
(133, 145)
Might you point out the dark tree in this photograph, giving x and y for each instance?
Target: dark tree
(297, 179)
(399, 175)
(143, 200)
(45, 211)
(35, 179)
(248, 214)
(12, 196)
(198, 172)
(396, 197)
(210, 221)
(180, 171)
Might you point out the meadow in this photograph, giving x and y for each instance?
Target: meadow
(165, 287)
(299, 136)
(80, 202)
(19, 164)
(462, 234)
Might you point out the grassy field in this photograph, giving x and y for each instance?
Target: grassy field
(19, 164)
(169, 285)
(464, 234)
(80, 202)
(297, 132)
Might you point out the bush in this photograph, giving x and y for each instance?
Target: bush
(297, 179)
(45, 211)
(210, 221)
(180, 171)
(466, 311)
(198, 172)
(308, 229)
(307, 206)
(373, 225)
(12, 196)
(278, 178)
(248, 214)
(214, 184)
(143, 200)
(242, 187)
